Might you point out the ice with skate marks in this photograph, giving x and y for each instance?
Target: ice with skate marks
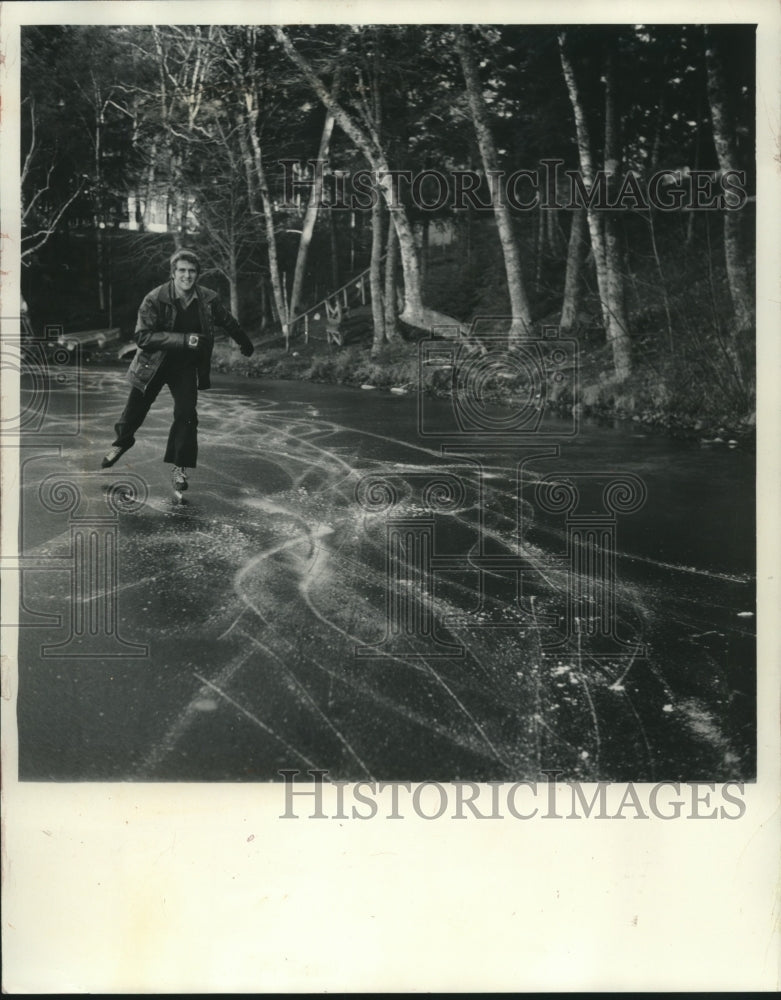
(313, 530)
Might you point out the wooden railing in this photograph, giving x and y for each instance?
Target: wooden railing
(359, 282)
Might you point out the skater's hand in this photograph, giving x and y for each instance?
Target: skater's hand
(248, 350)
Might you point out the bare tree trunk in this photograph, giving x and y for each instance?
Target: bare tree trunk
(146, 211)
(618, 336)
(375, 277)
(725, 140)
(391, 258)
(604, 242)
(618, 325)
(183, 207)
(268, 215)
(99, 222)
(247, 160)
(587, 170)
(575, 256)
(690, 222)
(662, 282)
(233, 281)
(521, 322)
(552, 233)
(101, 271)
(310, 216)
(263, 303)
(335, 273)
(415, 313)
(540, 244)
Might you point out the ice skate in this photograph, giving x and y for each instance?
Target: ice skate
(113, 455)
(180, 483)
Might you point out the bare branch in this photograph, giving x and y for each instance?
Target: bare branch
(28, 208)
(52, 225)
(345, 121)
(28, 159)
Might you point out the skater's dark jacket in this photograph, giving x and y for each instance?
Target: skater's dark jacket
(156, 339)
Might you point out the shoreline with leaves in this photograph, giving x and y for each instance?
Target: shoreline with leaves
(654, 405)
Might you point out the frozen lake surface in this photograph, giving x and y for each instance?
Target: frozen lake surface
(439, 619)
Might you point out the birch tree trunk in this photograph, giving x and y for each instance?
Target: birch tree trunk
(263, 304)
(233, 281)
(98, 218)
(375, 277)
(391, 258)
(575, 256)
(425, 246)
(520, 324)
(539, 241)
(618, 324)
(604, 242)
(587, 170)
(268, 216)
(310, 217)
(334, 244)
(251, 125)
(146, 211)
(247, 159)
(552, 233)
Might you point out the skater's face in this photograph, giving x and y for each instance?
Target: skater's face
(185, 274)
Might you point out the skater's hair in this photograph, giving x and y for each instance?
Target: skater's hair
(188, 255)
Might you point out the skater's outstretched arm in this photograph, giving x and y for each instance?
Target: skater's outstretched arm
(225, 319)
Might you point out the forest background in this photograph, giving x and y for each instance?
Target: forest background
(140, 139)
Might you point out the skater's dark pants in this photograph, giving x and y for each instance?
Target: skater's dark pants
(182, 380)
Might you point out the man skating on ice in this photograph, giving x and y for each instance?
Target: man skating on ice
(175, 337)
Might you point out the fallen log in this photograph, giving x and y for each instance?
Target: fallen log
(440, 324)
(88, 338)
